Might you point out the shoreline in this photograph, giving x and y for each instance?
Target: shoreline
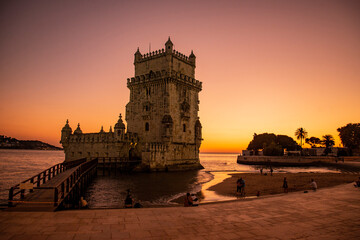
(271, 185)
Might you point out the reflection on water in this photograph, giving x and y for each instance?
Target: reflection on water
(211, 196)
(149, 189)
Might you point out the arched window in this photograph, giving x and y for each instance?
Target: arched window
(184, 127)
(147, 127)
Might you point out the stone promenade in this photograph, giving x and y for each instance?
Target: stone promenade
(332, 213)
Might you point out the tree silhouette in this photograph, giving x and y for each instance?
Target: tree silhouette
(328, 142)
(350, 136)
(313, 141)
(301, 133)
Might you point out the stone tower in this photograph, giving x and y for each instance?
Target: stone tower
(163, 109)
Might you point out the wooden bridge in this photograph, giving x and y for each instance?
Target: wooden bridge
(58, 187)
(61, 185)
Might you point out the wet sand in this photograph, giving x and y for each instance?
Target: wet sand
(267, 184)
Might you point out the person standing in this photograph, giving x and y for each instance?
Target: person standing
(238, 186)
(242, 187)
(271, 170)
(285, 185)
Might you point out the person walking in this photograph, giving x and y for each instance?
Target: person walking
(285, 185)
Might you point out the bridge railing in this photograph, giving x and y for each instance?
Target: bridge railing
(72, 164)
(75, 183)
(36, 181)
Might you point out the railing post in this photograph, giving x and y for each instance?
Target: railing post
(11, 197)
(22, 193)
(38, 180)
(55, 197)
(44, 177)
(62, 189)
(32, 181)
(67, 185)
(49, 174)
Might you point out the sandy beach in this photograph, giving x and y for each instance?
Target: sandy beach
(267, 184)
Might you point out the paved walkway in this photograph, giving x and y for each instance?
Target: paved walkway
(332, 213)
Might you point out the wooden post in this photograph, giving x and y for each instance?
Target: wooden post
(22, 193)
(55, 197)
(67, 185)
(38, 180)
(11, 197)
(44, 176)
(32, 181)
(62, 189)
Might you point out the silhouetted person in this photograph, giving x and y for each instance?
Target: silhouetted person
(238, 186)
(128, 200)
(285, 185)
(83, 203)
(357, 183)
(271, 170)
(261, 171)
(188, 201)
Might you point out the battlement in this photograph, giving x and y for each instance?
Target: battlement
(153, 76)
(161, 53)
(155, 147)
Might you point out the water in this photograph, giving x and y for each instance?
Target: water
(19, 165)
(150, 189)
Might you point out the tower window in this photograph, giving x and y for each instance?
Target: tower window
(118, 133)
(147, 127)
(184, 127)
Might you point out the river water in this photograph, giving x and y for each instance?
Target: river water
(108, 189)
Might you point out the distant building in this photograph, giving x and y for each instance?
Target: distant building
(252, 153)
(163, 126)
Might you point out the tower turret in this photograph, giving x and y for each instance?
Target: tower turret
(65, 133)
(192, 58)
(119, 128)
(137, 56)
(169, 46)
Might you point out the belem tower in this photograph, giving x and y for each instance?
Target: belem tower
(163, 127)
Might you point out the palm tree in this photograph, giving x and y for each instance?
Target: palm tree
(301, 133)
(328, 142)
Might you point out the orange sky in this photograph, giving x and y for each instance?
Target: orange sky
(266, 66)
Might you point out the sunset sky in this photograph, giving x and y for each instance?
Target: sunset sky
(266, 66)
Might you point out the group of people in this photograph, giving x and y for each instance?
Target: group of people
(191, 200)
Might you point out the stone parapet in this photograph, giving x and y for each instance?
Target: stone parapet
(163, 75)
(161, 53)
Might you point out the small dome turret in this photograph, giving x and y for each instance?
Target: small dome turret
(102, 129)
(67, 127)
(120, 124)
(78, 130)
